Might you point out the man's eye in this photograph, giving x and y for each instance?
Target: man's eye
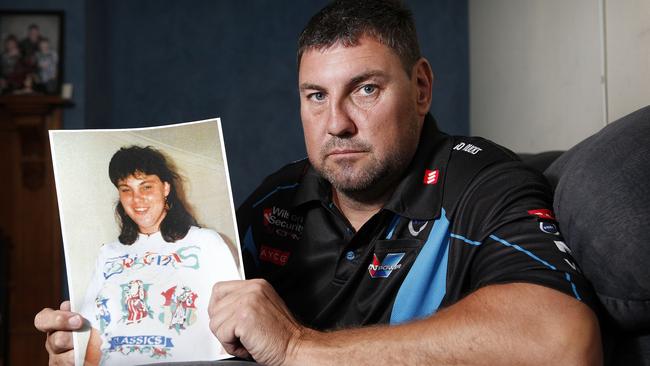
(319, 96)
(368, 89)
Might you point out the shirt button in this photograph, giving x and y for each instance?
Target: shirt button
(350, 255)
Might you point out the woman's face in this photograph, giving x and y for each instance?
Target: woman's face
(143, 198)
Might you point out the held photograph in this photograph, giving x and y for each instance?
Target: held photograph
(31, 52)
(148, 228)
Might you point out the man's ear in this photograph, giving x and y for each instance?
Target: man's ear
(422, 77)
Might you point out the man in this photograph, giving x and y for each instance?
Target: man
(449, 240)
(29, 46)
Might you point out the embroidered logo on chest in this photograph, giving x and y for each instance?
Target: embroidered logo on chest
(416, 226)
(431, 176)
(273, 255)
(384, 268)
(282, 223)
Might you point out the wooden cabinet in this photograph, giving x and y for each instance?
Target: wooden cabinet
(29, 223)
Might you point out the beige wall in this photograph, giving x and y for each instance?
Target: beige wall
(545, 74)
(628, 56)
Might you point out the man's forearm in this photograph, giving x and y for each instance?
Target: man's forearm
(514, 324)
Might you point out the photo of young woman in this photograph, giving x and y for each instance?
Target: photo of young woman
(144, 251)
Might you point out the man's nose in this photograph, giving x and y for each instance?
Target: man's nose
(340, 122)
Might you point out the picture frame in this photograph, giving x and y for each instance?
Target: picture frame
(31, 56)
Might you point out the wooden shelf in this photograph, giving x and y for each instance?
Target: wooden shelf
(33, 104)
(32, 256)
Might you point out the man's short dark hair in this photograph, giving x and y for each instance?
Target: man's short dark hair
(346, 21)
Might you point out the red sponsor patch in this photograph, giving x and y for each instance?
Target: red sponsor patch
(542, 213)
(267, 216)
(431, 176)
(273, 255)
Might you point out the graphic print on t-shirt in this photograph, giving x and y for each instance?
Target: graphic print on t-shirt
(103, 315)
(179, 309)
(185, 257)
(134, 302)
(156, 347)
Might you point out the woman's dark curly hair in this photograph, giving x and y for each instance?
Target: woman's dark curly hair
(134, 160)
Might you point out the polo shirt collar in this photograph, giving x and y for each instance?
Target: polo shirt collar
(419, 193)
(312, 187)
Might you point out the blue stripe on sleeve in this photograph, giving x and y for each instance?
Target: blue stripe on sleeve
(460, 237)
(573, 286)
(517, 247)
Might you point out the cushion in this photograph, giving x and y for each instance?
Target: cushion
(602, 203)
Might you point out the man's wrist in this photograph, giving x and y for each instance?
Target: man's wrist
(299, 344)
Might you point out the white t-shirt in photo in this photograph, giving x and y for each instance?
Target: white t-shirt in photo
(149, 300)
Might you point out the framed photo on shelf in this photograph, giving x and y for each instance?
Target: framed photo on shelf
(31, 61)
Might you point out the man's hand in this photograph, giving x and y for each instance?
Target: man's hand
(249, 319)
(509, 324)
(59, 324)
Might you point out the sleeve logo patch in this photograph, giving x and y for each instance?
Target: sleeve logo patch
(542, 213)
(468, 148)
(549, 228)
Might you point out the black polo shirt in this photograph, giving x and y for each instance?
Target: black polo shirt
(467, 214)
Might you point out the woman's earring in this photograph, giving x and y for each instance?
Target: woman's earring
(167, 206)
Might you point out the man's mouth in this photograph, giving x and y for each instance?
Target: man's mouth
(344, 148)
(336, 152)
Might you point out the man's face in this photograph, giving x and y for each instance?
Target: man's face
(34, 34)
(359, 114)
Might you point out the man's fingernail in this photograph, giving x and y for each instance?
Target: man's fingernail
(75, 321)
